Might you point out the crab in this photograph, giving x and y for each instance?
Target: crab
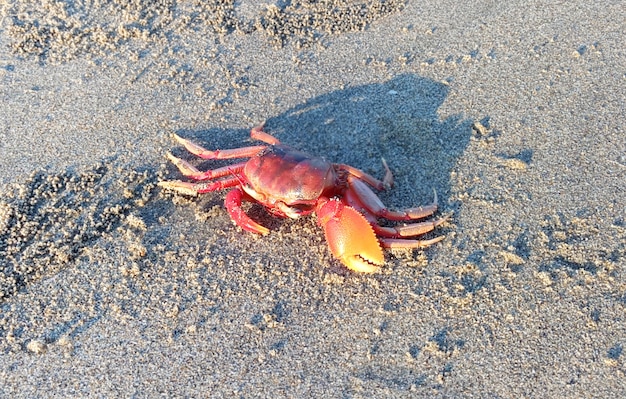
(290, 183)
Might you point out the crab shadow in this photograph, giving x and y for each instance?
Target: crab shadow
(396, 120)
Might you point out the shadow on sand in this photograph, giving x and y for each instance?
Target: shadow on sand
(396, 120)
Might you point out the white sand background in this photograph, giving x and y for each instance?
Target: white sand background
(513, 112)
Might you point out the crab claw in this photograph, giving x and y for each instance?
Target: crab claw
(350, 236)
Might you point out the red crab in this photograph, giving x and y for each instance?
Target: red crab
(290, 183)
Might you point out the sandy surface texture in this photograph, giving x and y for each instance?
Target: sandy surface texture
(513, 112)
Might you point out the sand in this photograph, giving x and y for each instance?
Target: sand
(513, 113)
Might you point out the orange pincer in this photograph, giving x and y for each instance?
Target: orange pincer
(349, 235)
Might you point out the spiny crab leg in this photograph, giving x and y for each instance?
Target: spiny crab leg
(399, 243)
(194, 189)
(190, 171)
(385, 184)
(360, 193)
(202, 152)
(349, 236)
(411, 229)
(257, 133)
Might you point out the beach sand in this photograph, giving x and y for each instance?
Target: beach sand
(513, 113)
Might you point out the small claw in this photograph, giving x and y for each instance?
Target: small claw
(180, 187)
(350, 237)
(233, 206)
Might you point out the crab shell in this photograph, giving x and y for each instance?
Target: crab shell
(292, 183)
(288, 182)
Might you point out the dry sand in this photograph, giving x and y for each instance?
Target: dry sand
(513, 112)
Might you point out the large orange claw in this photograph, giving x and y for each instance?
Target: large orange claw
(350, 236)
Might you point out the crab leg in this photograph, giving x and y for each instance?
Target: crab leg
(409, 230)
(408, 244)
(233, 206)
(243, 152)
(194, 189)
(257, 133)
(385, 184)
(359, 191)
(361, 197)
(349, 236)
(190, 171)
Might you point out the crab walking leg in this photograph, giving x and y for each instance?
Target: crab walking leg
(190, 171)
(243, 152)
(233, 206)
(398, 243)
(409, 230)
(385, 184)
(188, 188)
(370, 201)
(257, 133)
